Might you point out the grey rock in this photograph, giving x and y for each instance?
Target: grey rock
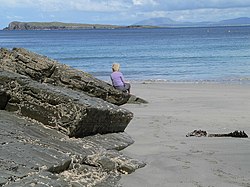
(32, 155)
(4, 98)
(47, 113)
(45, 70)
(74, 113)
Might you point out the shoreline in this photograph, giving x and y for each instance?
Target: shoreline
(239, 81)
(159, 129)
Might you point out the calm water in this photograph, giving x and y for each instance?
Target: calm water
(180, 54)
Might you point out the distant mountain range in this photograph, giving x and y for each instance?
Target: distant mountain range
(166, 22)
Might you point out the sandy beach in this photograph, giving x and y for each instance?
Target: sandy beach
(159, 129)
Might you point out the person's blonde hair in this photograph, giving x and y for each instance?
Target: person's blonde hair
(115, 67)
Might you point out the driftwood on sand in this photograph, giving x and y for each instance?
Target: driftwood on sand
(235, 134)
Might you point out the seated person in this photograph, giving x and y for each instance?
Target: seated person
(118, 79)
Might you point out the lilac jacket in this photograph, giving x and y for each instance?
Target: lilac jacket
(117, 79)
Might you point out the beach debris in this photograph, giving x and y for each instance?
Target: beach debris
(197, 133)
(235, 134)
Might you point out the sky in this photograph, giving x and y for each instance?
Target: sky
(120, 12)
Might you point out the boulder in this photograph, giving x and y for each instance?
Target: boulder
(32, 155)
(44, 70)
(74, 113)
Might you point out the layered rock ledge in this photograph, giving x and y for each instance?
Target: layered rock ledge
(60, 126)
(45, 70)
(32, 155)
(73, 113)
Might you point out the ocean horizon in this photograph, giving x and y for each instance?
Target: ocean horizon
(204, 54)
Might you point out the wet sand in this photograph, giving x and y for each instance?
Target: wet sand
(159, 129)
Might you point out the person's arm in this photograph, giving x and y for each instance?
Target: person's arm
(112, 80)
(122, 78)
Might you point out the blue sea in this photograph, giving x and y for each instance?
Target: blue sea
(216, 54)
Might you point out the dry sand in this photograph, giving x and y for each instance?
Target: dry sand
(160, 127)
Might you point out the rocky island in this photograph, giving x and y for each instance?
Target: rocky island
(60, 126)
(16, 25)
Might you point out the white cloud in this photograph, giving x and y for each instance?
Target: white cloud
(98, 6)
(144, 2)
(14, 17)
(201, 4)
(16, 3)
(49, 5)
(45, 5)
(119, 5)
(137, 2)
(197, 15)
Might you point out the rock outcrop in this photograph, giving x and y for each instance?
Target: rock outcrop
(32, 155)
(73, 113)
(44, 70)
(16, 25)
(60, 126)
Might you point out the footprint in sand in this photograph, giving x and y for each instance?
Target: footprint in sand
(211, 161)
(171, 147)
(195, 151)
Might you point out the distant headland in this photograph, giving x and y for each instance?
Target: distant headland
(159, 22)
(16, 25)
